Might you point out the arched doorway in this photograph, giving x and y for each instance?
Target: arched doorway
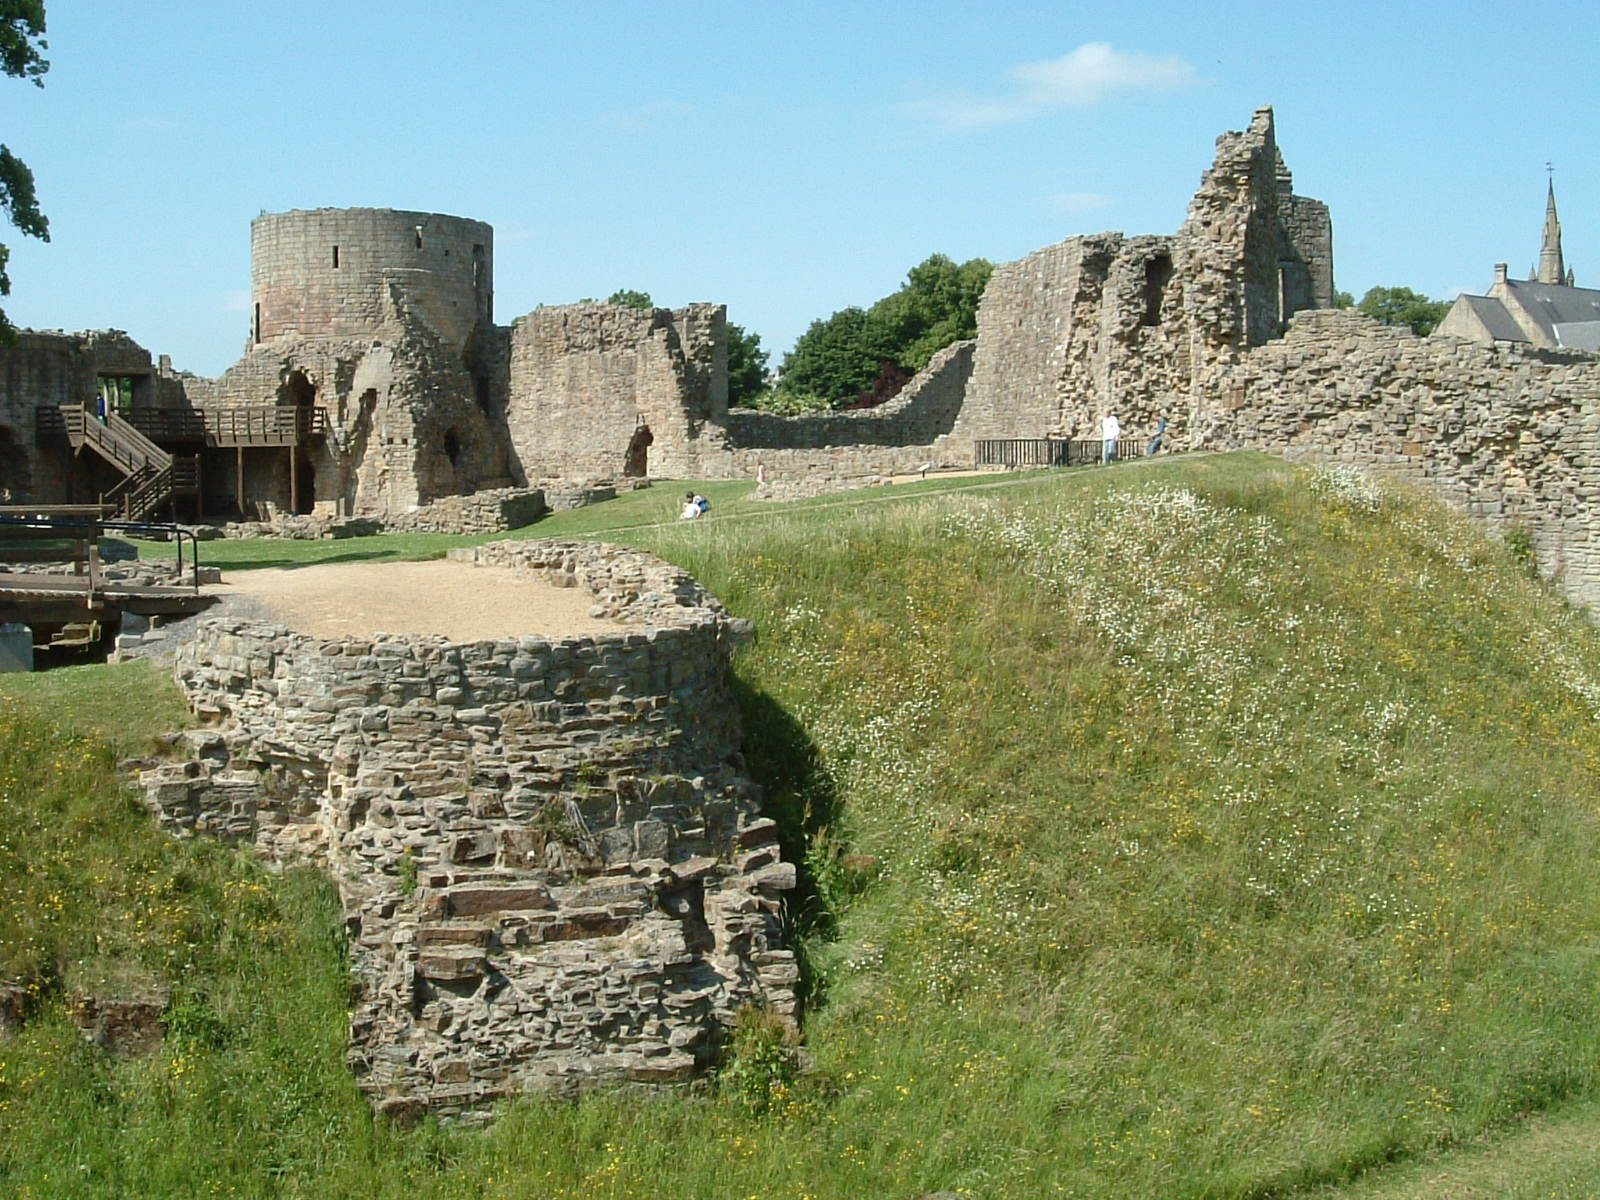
(637, 462)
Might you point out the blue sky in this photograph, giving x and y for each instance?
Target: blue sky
(786, 159)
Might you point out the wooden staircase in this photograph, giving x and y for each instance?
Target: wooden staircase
(151, 477)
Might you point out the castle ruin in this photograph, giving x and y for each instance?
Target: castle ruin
(375, 379)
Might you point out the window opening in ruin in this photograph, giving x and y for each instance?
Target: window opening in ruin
(336, 258)
(1157, 274)
(255, 326)
(116, 392)
(480, 281)
(418, 229)
(452, 447)
(637, 462)
(480, 389)
(298, 390)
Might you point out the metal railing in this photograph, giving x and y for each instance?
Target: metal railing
(27, 523)
(1050, 452)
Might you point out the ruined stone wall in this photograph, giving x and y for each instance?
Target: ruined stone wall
(41, 369)
(330, 272)
(482, 512)
(51, 368)
(410, 419)
(924, 411)
(553, 866)
(600, 391)
(1511, 436)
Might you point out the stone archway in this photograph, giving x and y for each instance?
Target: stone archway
(636, 464)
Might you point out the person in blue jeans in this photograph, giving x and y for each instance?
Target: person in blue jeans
(1154, 445)
(1110, 431)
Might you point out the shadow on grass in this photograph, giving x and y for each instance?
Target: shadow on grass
(801, 796)
(373, 554)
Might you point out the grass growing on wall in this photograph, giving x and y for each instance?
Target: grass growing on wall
(1207, 829)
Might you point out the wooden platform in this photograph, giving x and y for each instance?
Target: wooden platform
(53, 599)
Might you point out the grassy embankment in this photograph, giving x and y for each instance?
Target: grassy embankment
(1203, 829)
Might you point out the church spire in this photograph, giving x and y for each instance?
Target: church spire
(1551, 267)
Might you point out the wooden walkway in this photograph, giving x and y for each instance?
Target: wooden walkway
(50, 599)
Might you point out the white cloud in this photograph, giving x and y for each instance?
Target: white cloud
(1092, 73)
(1074, 202)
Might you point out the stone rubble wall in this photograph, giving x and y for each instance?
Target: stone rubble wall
(586, 380)
(482, 512)
(1508, 435)
(813, 453)
(554, 868)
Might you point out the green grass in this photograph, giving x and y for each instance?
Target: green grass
(656, 505)
(1208, 829)
(128, 706)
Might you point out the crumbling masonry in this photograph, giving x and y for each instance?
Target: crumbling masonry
(553, 867)
(384, 320)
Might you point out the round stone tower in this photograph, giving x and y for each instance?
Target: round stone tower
(340, 272)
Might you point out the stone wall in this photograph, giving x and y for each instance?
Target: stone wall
(1508, 435)
(330, 272)
(481, 512)
(53, 369)
(553, 865)
(600, 391)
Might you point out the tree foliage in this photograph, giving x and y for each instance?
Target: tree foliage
(747, 366)
(630, 298)
(21, 40)
(937, 306)
(1402, 306)
(865, 354)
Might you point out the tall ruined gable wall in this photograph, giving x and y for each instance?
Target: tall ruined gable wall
(1511, 436)
(584, 379)
(411, 418)
(1135, 325)
(1027, 328)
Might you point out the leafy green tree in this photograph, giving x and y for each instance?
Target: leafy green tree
(868, 354)
(629, 298)
(1402, 306)
(1343, 300)
(21, 40)
(937, 305)
(747, 366)
(836, 359)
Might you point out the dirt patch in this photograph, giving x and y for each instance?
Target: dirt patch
(460, 601)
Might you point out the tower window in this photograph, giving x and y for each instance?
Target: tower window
(1157, 275)
(418, 229)
(336, 258)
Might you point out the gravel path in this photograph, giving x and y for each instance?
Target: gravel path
(462, 602)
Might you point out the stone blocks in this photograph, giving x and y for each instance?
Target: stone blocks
(554, 869)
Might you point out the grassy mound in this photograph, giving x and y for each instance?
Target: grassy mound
(1201, 829)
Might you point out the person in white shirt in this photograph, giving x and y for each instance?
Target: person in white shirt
(1110, 431)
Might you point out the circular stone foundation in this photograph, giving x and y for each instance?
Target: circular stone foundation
(553, 866)
(455, 600)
